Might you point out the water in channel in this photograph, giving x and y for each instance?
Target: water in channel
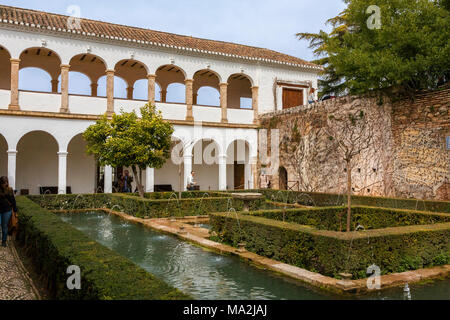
(209, 276)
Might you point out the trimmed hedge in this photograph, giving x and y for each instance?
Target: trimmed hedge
(71, 201)
(105, 275)
(184, 195)
(330, 199)
(334, 218)
(330, 253)
(139, 207)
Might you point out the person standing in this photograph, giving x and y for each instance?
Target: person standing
(7, 205)
(311, 97)
(127, 180)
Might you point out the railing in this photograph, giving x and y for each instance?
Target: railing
(79, 104)
(5, 98)
(39, 101)
(88, 105)
(240, 116)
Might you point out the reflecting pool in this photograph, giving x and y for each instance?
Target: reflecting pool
(208, 276)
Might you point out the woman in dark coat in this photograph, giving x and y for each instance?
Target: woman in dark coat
(7, 205)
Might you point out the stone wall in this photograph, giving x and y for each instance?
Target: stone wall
(407, 158)
(422, 162)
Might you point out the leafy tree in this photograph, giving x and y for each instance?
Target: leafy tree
(129, 141)
(408, 53)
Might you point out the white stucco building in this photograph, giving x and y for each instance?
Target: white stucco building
(40, 132)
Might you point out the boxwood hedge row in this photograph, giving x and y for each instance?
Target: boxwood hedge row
(334, 218)
(139, 207)
(55, 245)
(330, 199)
(330, 253)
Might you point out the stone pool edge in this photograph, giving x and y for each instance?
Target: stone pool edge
(199, 236)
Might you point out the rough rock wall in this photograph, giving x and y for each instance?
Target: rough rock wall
(408, 158)
(421, 160)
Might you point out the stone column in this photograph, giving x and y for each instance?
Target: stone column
(108, 180)
(194, 98)
(64, 88)
(94, 88)
(151, 88)
(247, 175)
(223, 172)
(12, 157)
(224, 101)
(54, 86)
(130, 91)
(189, 97)
(187, 169)
(253, 183)
(255, 95)
(62, 172)
(163, 93)
(14, 105)
(110, 91)
(149, 179)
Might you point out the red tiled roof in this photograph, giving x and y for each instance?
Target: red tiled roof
(99, 29)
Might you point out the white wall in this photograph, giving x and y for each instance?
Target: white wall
(66, 47)
(5, 98)
(37, 159)
(37, 162)
(87, 105)
(240, 116)
(35, 101)
(168, 174)
(80, 167)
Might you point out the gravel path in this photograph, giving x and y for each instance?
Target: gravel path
(14, 285)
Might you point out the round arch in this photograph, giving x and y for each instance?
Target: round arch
(238, 164)
(208, 74)
(42, 59)
(205, 163)
(167, 75)
(239, 90)
(241, 76)
(204, 80)
(37, 161)
(3, 156)
(283, 178)
(93, 66)
(171, 68)
(131, 70)
(5, 69)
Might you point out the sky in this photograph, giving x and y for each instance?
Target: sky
(269, 24)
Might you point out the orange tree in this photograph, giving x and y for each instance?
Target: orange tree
(125, 140)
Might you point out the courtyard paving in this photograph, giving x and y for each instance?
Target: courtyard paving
(14, 285)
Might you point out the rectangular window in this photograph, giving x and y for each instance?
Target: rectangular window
(292, 98)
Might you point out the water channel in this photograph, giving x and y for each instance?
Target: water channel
(208, 276)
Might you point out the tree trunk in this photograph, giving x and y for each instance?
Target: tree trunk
(138, 182)
(180, 179)
(349, 195)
